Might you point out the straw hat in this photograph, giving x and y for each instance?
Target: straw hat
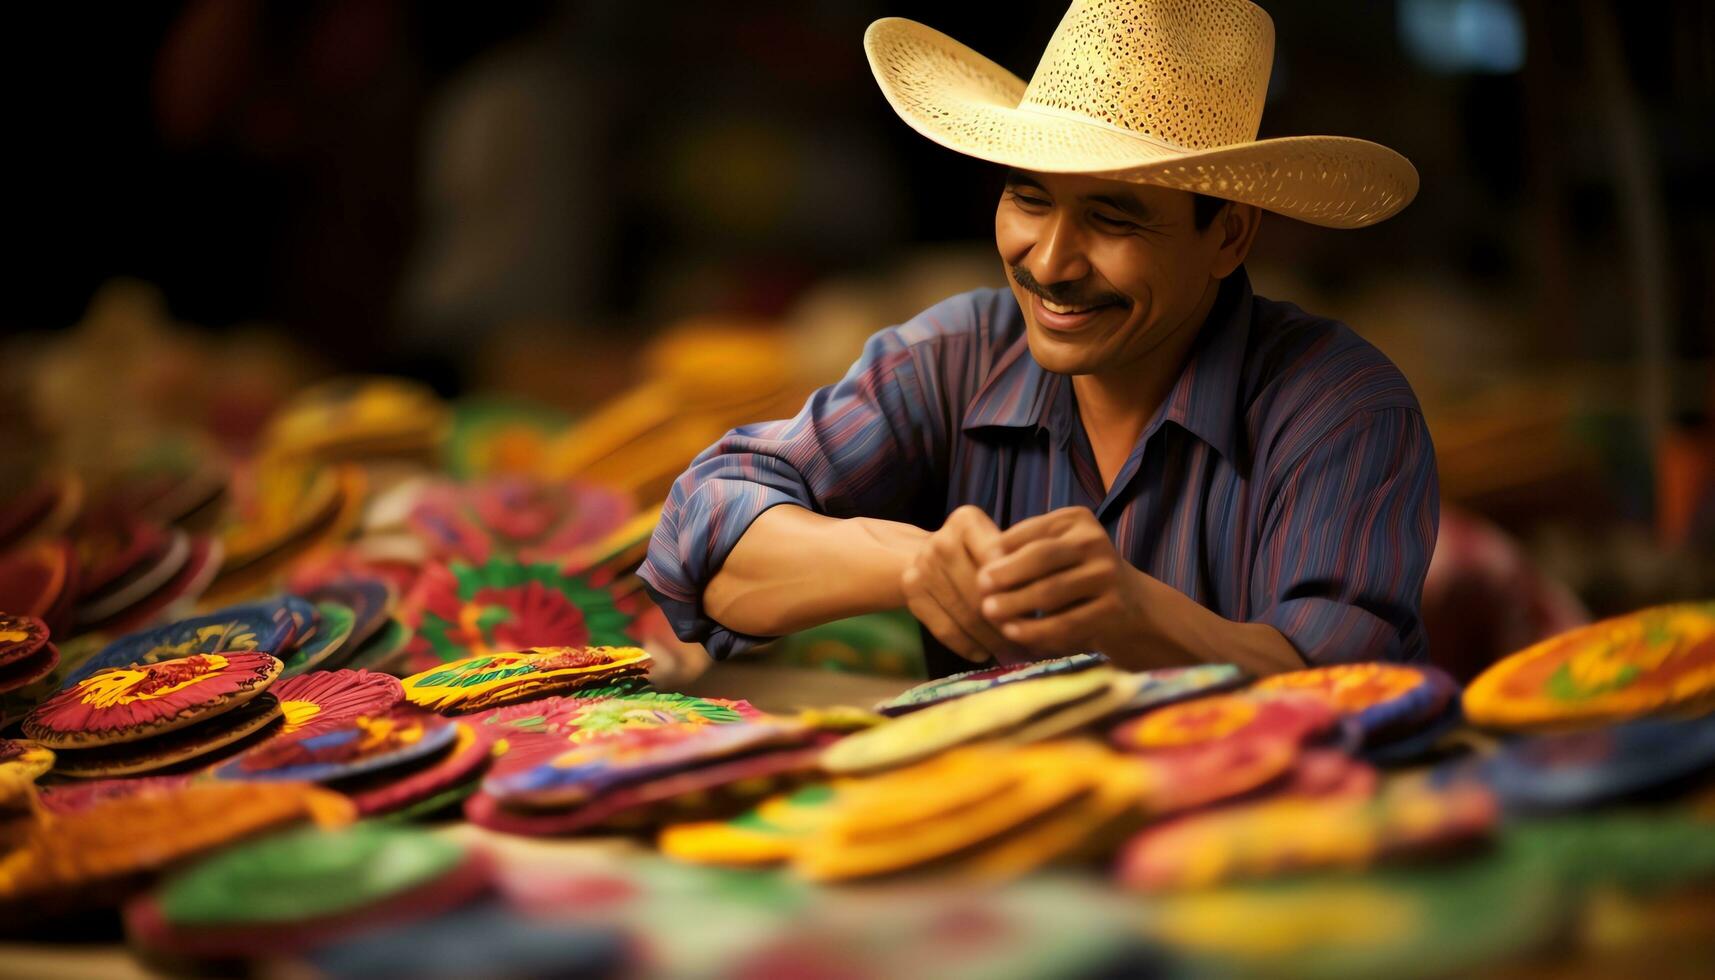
(1165, 92)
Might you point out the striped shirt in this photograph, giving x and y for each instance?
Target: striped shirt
(1288, 477)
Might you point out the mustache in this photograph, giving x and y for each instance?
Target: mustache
(1066, 293)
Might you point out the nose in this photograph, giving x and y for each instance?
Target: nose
(1058, 255)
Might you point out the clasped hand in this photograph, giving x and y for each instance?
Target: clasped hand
(1049, 584)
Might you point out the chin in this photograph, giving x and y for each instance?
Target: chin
(1059, 357)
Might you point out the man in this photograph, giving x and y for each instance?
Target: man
(1126, 452)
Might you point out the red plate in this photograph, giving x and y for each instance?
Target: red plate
(20, 637)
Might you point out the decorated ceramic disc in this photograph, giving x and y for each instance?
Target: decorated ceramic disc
(61, 859)
(1171, 685)
(71, 797)
(20, 637)
(1576, 770)
(1419, 745)
(972, 681)
(536, 731)
(333, 629)
(332, 697)
(125, 704)
(368, 743)
(649, 801)
(23, 673)
(490, 679)
(381, 651)
(584, 772)
(923, 733)
(200, 742)
(116, 549)
(370, 601)
(262, 627)
(1656, 660)
(306, 874)
(137, 587)
(175, 598)
(463, 610)
(395, 789)
(20, 764)
(1226, 716)
(1281, 835)
(1380, 698)
(516, 517)
(768, 833)
(296, 891)
(37, 579)
(1214, 772)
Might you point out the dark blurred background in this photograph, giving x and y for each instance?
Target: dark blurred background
(509, 197)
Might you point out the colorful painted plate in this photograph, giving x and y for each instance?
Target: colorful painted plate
(302, 889)
(175, 599)
(463, 610)
(261, 627)
(771, 832)
(1215, 772)
(115, 549)
(536, 731)
(1221, 717)
(23, 673)
(492, 679)
(973, 681)
(1171, 685)
(920, 734)
(333, 628)
(1571, 771)
(381, 652)
(20, 637)
(1283, 835)
(20, 764)
(327, 698)
(80, 857)
(236, 729)
(1383, 700)
(1421, 745)
(370, 600)
(125, 704)
(584, 772)
(85, 793)
(516, 517)
(655, 801)
(1656, 660)
(142, 583)
(396, 789)
(368, 743)
(39, 580)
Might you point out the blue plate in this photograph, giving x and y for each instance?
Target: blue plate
(268, 627)
(1551, 773)
(311, 752)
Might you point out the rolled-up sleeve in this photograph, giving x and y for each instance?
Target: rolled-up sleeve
(865, 446)
(1346, 542)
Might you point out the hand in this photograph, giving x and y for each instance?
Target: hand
(941, 590)
(1063, 566)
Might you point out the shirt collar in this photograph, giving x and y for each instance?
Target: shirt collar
(1020, 394)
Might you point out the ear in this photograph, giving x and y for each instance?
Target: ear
(1236, 226)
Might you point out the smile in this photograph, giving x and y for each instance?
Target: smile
(1057, 317)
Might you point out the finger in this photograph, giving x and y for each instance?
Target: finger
(944, 628)
(1047, 595)
(1068, 630)
(960, 602)
(1029, 563)
(977, 532)
(1051, 524)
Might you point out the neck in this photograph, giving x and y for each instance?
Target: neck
(1116, 406)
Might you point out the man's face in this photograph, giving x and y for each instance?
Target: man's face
(1105, 271)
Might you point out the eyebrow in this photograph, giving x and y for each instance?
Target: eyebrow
(1125, 204)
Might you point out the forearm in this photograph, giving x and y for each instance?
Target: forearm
(794, 569)
(1174, 630)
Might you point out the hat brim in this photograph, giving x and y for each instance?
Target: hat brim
(967, 103)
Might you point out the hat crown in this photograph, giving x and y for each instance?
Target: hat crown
(1189, 73)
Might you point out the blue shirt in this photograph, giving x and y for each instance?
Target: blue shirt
(1288, 477)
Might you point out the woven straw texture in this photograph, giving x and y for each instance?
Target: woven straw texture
(1165, 92)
